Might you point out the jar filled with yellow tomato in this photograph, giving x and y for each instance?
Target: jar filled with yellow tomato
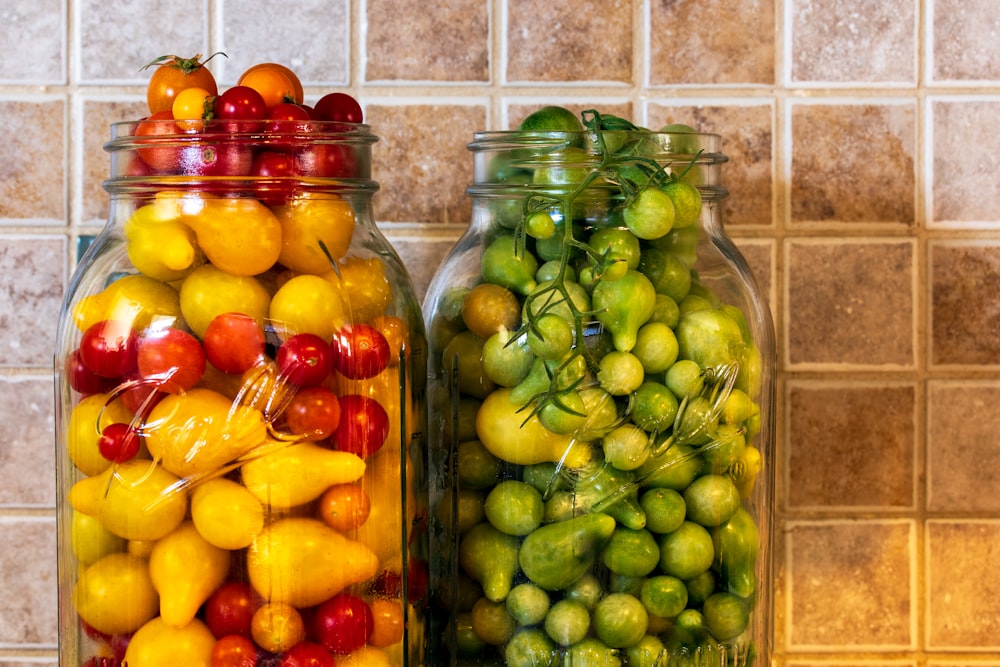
(239, 372)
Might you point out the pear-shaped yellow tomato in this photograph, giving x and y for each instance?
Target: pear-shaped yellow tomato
(134, 298)
(239, 235)
(185, 570)
(200, 431)
(226, 513)
(92, 541)
(88, 419)
(115, 595)
(302, 562)
(298, 474)
(137, 499)
(156, 644)
(159, 244)
(506, 433)
(309, 224)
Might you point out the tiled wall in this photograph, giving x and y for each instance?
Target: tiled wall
(865, 193)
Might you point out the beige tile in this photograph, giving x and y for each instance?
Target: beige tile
(554, 41)
(442, 41)
(28, 606)
(518, 110)
(421, 161)
(963, 598)
(32, 278)
(850, 585)
(850, 445)
(421, 254)
(853, 163)
(962, 456)
(863, 41)
(708, 43)
(312, 37)
(964, 44)
(747, 132)
(966, 158)
(27, 469)
(33, 161)
(136, 33)
(964, 309)
(849, 302)
(98, 115)
(34, 42)
(760, 255)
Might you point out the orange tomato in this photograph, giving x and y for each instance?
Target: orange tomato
(272, 84)
(344, 507)
(289, 74)
(174, 74)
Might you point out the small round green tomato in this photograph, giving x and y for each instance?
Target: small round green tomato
(626, 447)
(567, 622)
(711, 500)
(655, 347)
(726, 615)
(632, 553)
(664, 596)
(527, 603)
(664, 508)
(655, 407)
(620, 620)
(514, 508)
(506, 360)
(687, 552)
(528, 648)
(477, 468)
(650, 215)
(620, 373)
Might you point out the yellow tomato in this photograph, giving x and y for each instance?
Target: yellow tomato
(226, 513)
(277, 626)
(91, 540)
(308, 304)
(186, 570)
(308, 224)
(156, 644)
(239, 235)
(115, 595)
(88, 419)
(159, 244)
(365, 285)
(209, 291)
(134, 298)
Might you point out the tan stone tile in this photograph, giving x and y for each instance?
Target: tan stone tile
(34, 42)
(964, 43)
(964, 309)
(518, 110)
(853, 163)
(27, 469)
(442, 41)
(28, 612)
(33, 159)
(311, 38)
(963, 598)
(760, 256)
(850, 585)
(98, 115)
(962, 457)
(136, 33)
(850, 445)
(32, 280)
(421, 253)
(966, 158)
(747, 132)
(864, 41)
(849, 302)
(555, 41)
(421, 161)
(708, 43)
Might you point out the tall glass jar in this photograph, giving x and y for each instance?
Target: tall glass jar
(600, 399)
(240, 380)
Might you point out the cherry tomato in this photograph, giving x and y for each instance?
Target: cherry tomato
(109, 348)
(240, 109)
(223, 158)
(140, 396)
(174, 74)
(84, 380)
(340, 107)
(344, 507)
(360, 351)
(389, 621)
(234, 651)
(118, 442)
(230, 608)
(160, 158)
(364, 425)
(272, 84)
(304, 360)
(288, 117)
(100, 661)
(307, 654)
(388, 584)
(234, 342)
(275, 171)
(327, 161)
(343, 623)
(173, 356)
(292, 77)
(191, 107)
(313, 412)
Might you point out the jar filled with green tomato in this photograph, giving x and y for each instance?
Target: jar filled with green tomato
(600, 408)
(240, 378)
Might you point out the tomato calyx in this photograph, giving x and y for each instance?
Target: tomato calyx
(186, 65)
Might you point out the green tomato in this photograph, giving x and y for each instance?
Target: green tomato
(620, 620)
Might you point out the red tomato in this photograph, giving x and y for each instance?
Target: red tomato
(343, 623)
(364, 425)
(276, 172)
(304, 360)
(172, 356)
(234, 342)
(234, 651)
(307, 654)
(84, 380)
(327, 161)
(339, 106)
(174, 74)
(223, 158)
(140, 396)
(118, 442)
(288, 117)
(360, 351)
(109, 348)
(100, 661)
(240, 109)
(230, 608)
(313, 412)
(151, 134)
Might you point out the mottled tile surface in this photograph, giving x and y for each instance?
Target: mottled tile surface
(699, 43)
(863, 41)
(963, 600)
(964, 43)
(850, 445)
(966, 159)
(34, 43)
(28, 606)
(32, 280)
(962, 454)
(442, 41)
(26, 465)
(964, 308)
(850, 303)
(98, 115)
(853, 163)
(33, 162)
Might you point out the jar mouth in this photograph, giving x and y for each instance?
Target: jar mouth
(657, 145)
(126, 134)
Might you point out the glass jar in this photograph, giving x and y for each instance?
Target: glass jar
(601, 409)
(240, 378)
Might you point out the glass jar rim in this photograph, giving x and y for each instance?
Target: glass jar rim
(124, 134)
(672, 142)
